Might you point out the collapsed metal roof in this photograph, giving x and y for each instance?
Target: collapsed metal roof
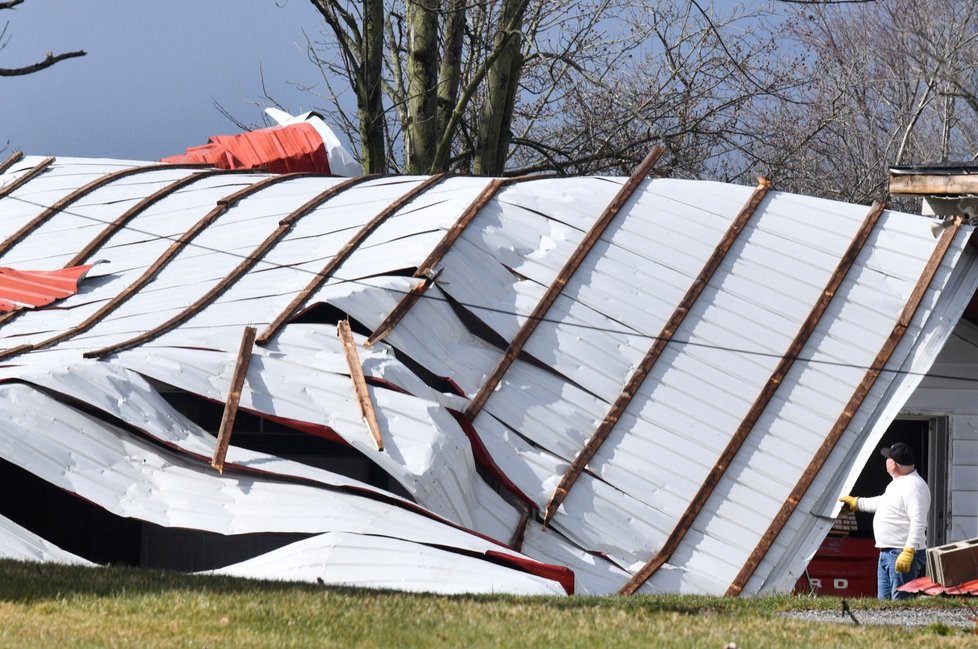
(671, 381)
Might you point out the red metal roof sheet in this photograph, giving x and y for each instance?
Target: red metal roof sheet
(279, 149)
(928, 587)
(34, 288)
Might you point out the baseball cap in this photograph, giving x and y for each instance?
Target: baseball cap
(900, 453)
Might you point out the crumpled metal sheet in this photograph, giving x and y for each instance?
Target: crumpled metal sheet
(344, 559)
(547, 404)
(132, 478)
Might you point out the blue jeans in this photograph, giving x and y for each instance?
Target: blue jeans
(888, 579)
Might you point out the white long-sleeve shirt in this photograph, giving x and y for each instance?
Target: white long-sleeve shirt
(901, 512)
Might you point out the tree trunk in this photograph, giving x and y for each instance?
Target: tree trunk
(450, 74)
(502, 83)
(370, 98)
(422, 72)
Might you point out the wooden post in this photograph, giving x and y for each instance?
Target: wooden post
(359, 382)
(234, 396)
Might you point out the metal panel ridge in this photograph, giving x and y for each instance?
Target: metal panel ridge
(575, 260)
(648, 362)
(842, 422)
(764, 398)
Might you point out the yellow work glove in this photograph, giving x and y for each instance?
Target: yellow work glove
(849, 503)
(905, 560)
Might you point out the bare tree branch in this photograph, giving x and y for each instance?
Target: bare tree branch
(48, 61)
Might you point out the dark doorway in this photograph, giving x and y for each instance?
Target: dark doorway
(927, 436)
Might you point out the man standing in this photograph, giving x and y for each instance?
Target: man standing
(900, 522)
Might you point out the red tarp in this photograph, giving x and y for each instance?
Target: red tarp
(34, 288)
(279, 149)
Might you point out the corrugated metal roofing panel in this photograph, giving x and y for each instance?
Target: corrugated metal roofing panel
(344, 559)
(128, 477)
(928, 587)
(30, 289)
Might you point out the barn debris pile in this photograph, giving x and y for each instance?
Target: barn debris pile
(589, 385)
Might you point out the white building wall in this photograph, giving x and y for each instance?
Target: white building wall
(951, 388)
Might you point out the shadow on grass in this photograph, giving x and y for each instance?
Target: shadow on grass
(27, 582)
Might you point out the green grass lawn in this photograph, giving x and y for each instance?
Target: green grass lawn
(58, 606)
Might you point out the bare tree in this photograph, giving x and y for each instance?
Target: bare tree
(430, 60)
(888, 83)
(46, 62)
(516, 86)
(692, 79)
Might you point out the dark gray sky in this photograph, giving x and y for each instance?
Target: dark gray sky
(153, 71)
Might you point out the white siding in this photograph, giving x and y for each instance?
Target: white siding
(951, 388)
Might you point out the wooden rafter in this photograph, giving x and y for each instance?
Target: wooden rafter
(26, 177)
(150, 273)
(78, 194)
(248, 262)
(426, 268)
(652, 356)
(401, 309)
(427, 271)
(121, 221)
